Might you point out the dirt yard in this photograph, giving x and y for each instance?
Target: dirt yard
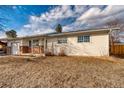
(60, 72)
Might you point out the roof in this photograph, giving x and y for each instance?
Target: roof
(81, 32)
(3, 43)
(54, 34)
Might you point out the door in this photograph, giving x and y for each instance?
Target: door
(30, 46)
(30, 43)
(15, 48)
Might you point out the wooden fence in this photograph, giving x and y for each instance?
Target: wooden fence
(117, 49)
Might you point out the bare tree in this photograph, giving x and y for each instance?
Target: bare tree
(114, 35)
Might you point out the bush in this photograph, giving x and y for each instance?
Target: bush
(49, 54)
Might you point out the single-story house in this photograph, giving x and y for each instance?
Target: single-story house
(75, 43)
(2, 47)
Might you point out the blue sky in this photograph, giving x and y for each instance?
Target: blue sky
(39, 19)
(19, 15)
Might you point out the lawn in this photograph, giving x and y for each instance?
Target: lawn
(60, 72)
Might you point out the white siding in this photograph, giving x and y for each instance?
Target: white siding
(10, 42)
(25, 42)
(98, 46)
(52, 45)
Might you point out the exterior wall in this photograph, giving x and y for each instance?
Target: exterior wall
(25, 42)
(9, 45)
(25, 49)
(3, 47)
(98, 46)
(51, 45)
(12, 41)
(8, 50)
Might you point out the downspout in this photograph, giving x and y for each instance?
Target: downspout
(110, 41)
(32, 47)
(44, 46)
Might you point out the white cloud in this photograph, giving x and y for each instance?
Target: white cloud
(27, 26)
(92, 12)
(14, 7)
(96, 12)
(47, 21)
(86, 17)
(97, 17)
(2, 35)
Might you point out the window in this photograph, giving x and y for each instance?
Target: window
(62, 40)
(35, 42)
(85, 38)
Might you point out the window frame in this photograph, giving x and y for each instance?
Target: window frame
(63, 40)
(84, 39)
(35, 43)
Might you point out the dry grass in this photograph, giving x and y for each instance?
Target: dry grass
(60, 72)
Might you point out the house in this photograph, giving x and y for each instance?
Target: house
(92, 42)
(3, 47)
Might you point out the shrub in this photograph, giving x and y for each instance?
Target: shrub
(49, 54)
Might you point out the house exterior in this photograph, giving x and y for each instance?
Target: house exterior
(76, 43)
(3, 47)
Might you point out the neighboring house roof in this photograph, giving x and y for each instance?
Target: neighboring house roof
(3, 43)
(87, 31)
